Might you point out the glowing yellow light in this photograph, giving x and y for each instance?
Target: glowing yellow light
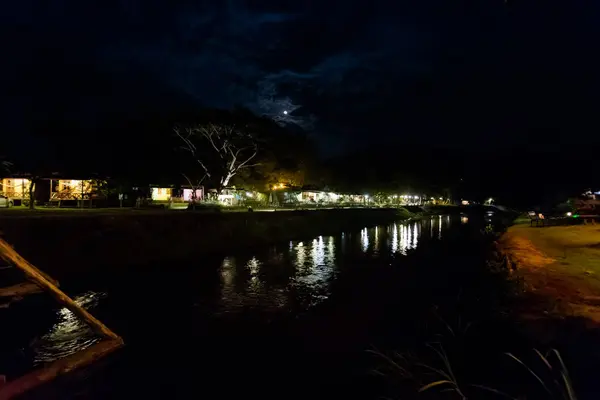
(161, 194)
(15, 188)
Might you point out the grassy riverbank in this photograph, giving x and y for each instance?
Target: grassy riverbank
(60, 242)
(560, 266)
(464, 334)
(461, 336)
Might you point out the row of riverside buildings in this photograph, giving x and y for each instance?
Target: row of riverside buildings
(63, 191)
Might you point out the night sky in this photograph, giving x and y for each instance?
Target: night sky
(486, 74)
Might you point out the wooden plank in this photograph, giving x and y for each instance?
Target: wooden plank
(21, 289)
(9, 254)
(63, 366)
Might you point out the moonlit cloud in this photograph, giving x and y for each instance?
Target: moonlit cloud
(263, 60)
(351, 69)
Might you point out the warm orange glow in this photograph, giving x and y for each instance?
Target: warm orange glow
(161, 194)
(15, 188)
(72, 189)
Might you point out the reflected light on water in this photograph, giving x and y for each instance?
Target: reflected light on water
(253, 266)
(416, 234)
(300, 252)
(315, 274)
(318, 252)
(69, 335)
(394, 244)
(228, 271)
(294, 275)
(364, 239)
(403, 239)
(302, 272)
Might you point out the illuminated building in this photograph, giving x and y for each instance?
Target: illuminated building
(15, 188)
(70, 189)
(161, 194)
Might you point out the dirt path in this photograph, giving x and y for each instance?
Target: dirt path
(560, 267)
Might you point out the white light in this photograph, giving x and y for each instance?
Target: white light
(569, 214)
(285, 112)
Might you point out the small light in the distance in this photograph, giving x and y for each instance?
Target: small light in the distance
(285, 112)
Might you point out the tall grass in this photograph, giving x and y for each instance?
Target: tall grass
(553, 377)
(458, 348)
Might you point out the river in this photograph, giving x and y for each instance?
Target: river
(276, 322)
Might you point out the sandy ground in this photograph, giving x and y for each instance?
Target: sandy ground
(560, 266)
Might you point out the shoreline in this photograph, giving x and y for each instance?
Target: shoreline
(60, 243)
(560, 269)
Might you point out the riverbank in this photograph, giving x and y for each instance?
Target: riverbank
(62, 242)
(304, 317)
(560, 267)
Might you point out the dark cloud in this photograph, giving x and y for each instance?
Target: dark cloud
(491, 71)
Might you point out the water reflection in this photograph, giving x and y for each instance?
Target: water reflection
(253, 266)
(405, 236)
(416, 234)
(69, 334)
(364, 239)
(287, 278)
(300, 255)
(313, 276)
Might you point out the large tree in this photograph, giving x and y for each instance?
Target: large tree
(219, 150)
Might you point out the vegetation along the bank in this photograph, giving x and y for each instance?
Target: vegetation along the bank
(464, 334)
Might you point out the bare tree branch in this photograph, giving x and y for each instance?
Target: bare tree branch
(234, 148)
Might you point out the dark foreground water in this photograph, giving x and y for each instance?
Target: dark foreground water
(286, 321)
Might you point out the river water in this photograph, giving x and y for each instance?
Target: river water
(271, 322)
